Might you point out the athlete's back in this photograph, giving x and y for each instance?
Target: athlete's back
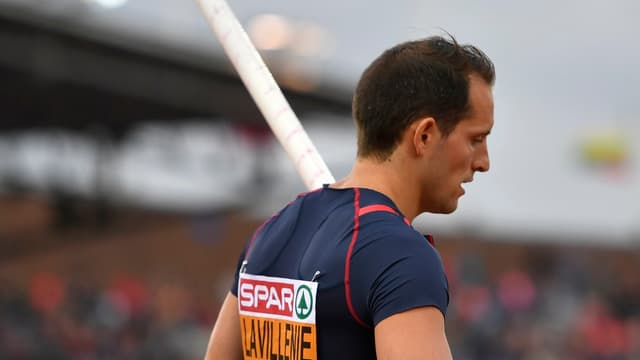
(368, 264)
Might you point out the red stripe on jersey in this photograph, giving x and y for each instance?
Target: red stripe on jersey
(255, 234)
(347, 264)
(373, 208)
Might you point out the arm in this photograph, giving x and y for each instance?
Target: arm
(225, 337)
(413, 334)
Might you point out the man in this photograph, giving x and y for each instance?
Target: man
(339, 273)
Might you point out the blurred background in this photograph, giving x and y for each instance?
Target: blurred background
(134, 166)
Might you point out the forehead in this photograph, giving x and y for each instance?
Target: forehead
(481, 101)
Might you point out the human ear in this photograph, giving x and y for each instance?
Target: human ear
(424, 131)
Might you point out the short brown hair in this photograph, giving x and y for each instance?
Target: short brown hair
(413, 80)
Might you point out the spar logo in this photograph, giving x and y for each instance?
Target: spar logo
(275, 298)
(304, 302)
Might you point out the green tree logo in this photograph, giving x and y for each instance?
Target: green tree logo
(304, 302)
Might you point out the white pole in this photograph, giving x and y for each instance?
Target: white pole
(266, 93)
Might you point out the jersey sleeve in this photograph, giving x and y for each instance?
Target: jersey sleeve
(395, 273)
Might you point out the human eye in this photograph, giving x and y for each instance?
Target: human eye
(479, 138)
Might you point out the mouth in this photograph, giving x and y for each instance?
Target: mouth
(464, 182)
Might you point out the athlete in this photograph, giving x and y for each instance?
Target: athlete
(339, 273)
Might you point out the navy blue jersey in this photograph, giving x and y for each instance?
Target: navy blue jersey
(369, 264)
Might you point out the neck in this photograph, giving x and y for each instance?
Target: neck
(388, 178)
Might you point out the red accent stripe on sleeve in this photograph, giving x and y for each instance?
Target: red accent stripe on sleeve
(255, 234)
(371, 208)
(347, 264)
(309, 192)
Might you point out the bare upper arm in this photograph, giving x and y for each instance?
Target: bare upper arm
(225, 342)
(413, 334)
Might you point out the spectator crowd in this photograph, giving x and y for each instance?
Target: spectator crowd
(570, 307)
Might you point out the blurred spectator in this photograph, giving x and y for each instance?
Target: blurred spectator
(120, 321)
(567, 309)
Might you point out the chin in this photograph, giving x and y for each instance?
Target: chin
(451, 207)
(447, 209)
(444, 206)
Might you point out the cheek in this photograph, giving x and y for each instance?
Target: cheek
(460, 158)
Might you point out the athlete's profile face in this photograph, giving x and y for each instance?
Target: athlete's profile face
(464, 152)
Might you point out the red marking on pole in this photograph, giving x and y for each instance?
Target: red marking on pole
(283, 110)
(299, 160)
(308, 151)
(295, 131)
(318, 173)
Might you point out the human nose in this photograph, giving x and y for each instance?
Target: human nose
(481, 162)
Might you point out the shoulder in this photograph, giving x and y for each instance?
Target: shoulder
(400, 268)
(402, 251)
(389, 234)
